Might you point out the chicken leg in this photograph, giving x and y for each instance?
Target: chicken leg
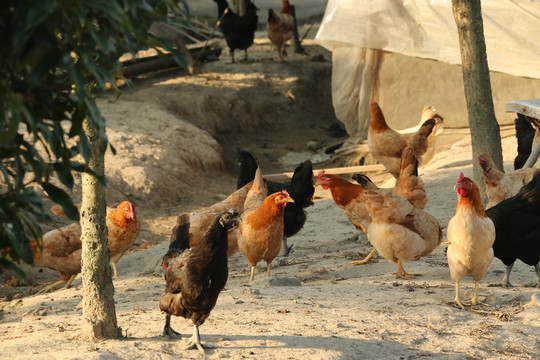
(252, 276)
(115, 272)
(168, 330)
(195, 341)
(268, 267)
(456, 298)
(58, 283)
(506, 279)
(284, 248)
(401, 273)
(366, 259)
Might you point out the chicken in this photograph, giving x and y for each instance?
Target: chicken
(517, 229)
(398, 231)
(61, 251)
(280, 27)
(470, 234)
(261, 230)
(350, 197)
(239, 31)
(527, 135)
(196, 276)
(428, 112)
(123, 229)
(386, 145)
(300, 188)
(500, 186)
(196, 222)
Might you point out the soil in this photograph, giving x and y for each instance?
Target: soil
(176, 137)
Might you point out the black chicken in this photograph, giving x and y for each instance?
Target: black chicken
(196, 276)
(525, 135)
(517, 229)
(300, 188)
(239, 31)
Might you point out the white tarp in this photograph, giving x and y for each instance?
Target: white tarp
(427, 29)
(356, 31)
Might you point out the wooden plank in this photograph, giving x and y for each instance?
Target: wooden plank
(526, 107)
(334, 171)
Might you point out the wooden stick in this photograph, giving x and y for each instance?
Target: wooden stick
(334, 171)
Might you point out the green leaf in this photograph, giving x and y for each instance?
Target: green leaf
(11, 267)
(39, 11)
(60, 197)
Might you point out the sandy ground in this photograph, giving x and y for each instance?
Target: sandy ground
(175, 155)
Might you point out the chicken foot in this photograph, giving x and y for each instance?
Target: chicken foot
(58, 283)
(456, 298)
(366, 259)
(401, 273)
(195, 341)
(168, 330)
(285, 250)
(474, 300)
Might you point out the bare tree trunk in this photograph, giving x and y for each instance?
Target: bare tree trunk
(99, 313)
(485, 133)
(295, 41)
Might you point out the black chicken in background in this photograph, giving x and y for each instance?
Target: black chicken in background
(300, 188)
(195, 277)
(517, 229)
(525, 134)
(239, 31)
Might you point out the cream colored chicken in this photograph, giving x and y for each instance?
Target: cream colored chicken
(470, 234)
(398, 231)
(501, 186)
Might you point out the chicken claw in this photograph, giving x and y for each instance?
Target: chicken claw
(366, 259)
(168, 330)
(195, 341)
(401, 273)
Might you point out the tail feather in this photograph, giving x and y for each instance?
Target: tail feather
(179, 240)
(410, 186)
(426, 128)
(272, 16)
(57, 209)
(492, 175)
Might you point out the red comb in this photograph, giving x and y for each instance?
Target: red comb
(460, 176)
(319, 176)
(284, 192)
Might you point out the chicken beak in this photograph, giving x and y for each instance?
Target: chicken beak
(290, 200)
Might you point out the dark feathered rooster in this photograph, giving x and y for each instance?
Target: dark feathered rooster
(195, 277)
(239, 31)
(300, 188)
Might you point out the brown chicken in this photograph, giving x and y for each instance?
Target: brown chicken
(123, 228)
(261, 231)
(386, 145)
(61, 252)
(501, 186)
(399, 231)
(195, 277)
(280, 27)
(350, 197)
(470, 234)
(199, 220)
(62, 247)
